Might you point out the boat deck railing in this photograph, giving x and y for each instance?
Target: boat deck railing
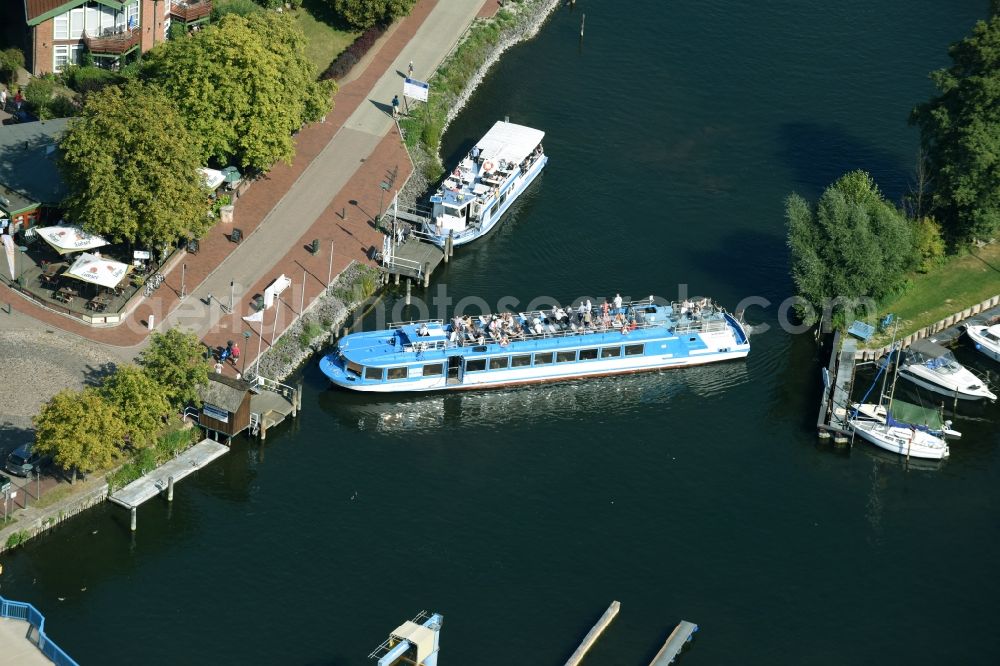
(710, 319)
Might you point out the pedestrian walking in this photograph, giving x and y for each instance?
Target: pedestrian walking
(18, 100)
(3, 99)
(395, 106)
(409, 72)
(235, 355)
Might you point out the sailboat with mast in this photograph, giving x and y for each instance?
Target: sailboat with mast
(897, 426)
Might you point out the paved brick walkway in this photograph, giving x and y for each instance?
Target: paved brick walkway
(360, 117)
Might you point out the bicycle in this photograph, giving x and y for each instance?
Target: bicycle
(153, 283)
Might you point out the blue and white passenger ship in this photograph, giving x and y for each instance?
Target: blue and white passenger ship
(503, 350)
(476, 194)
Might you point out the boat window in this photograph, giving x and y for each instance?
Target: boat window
(503, 197)
(494, 209)
(611, 352)
(635, 350)
(588, 354)
(565, 356)
(520, 361)
(397, 373)
(373, 373)
(498, 362)
(355, 368)
(543, 358)
(433, 370)
(475, 365)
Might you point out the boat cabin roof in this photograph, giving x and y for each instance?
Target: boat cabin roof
(929, 349)
(509, 142)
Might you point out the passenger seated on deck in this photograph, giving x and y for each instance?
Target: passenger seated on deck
(423, 330)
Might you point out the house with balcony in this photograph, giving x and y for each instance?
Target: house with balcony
(113, 32)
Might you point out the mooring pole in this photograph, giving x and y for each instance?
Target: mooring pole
(133, 519)
(583, 19)
(408, 281)
(170, 489)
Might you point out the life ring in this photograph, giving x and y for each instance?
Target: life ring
(488, 166)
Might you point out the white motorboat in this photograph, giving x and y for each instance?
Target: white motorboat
(931, 366)
(987, 339)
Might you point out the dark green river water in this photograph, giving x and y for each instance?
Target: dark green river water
(674, 132)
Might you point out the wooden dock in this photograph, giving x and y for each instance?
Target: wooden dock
(838, 382)
(273, 408)
(678, 638)
(594, 634)
(410, 254)
(162, 478)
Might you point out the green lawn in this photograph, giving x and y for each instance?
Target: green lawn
(960, 283)
(323, 41)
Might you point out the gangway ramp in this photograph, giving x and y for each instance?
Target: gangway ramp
(679, 637)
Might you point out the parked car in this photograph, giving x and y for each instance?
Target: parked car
(23, 461)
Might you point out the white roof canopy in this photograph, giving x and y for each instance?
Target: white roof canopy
(66, 239)
(213, 177)
(97, 270)
(509, 142)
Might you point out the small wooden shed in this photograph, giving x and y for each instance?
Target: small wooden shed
(225, 405)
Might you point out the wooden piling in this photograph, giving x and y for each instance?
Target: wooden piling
(447, 248)
(583, 20)
(170, 489)
(298, 396)
(133, 519)
(263, 428)
(395, 279)
(594, 634)
(408, 282)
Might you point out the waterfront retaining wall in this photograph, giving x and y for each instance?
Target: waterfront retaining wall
(32, 522)
(927, 331)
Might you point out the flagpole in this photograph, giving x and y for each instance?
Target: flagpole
(260, 338)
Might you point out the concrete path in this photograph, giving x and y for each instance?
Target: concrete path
(314, 190)
(15, 648)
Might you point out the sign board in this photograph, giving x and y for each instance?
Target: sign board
(140, 254)
(415, 89)
(275, 289)
(213, 412)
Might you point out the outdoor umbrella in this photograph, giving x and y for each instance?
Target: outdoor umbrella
(99, 271)
(65, 239)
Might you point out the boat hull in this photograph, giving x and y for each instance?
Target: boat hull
(902, 441)
(341, 380)
(951, 392)
(983, 345)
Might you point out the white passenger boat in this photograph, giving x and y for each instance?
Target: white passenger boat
(484, 184)
(519, 348)
(987, 339)
(933, 367)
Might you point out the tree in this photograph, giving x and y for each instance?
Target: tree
(132, 170)
(140, 400)
(366, 13)
(243, 86)
(960, 133)
(38, 95)
(11, 60)
(80, 430)
(852, 244)
(176, 360)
